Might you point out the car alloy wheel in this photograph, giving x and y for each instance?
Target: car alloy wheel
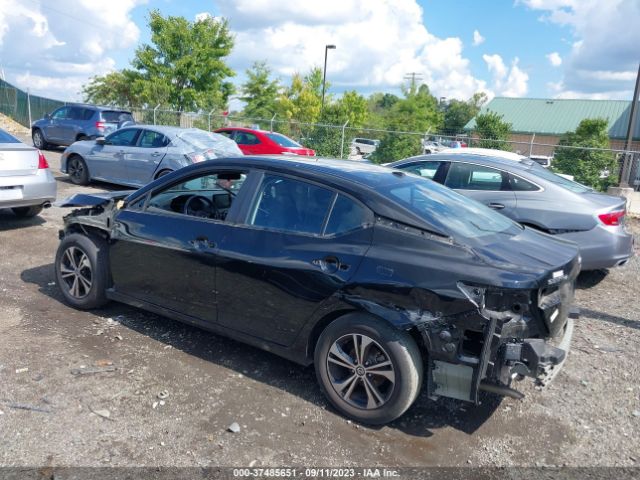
(360, 371)
(76, 272)
(38, 140)
(76, 169)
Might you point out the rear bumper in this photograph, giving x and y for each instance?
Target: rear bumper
(27, 190)
(602, 247)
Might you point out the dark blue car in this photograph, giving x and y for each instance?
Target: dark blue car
(71, 123)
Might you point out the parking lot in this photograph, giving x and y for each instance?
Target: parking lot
(119, 386)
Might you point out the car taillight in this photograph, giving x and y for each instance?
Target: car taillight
(612, 219)
(100, 125)
(42, 162)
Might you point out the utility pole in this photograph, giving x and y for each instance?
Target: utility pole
(413, 77)
(627, 163)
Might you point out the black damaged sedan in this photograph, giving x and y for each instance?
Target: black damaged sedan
(387, 282)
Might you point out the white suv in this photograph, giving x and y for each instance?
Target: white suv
(364, 146)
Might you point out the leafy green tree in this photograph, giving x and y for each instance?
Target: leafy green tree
(115, 88)
(493, 131)
(587, 166)
(379, 105)
(183, 68)
(302, 100)
(260, 93)
(417, 112)
(458, 113)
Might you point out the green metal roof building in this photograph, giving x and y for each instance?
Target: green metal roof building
(548, 116)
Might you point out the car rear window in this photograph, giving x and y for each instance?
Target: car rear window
(451, 213)
(545, 174)
(6, 138)
(113, 116)
(283, 141)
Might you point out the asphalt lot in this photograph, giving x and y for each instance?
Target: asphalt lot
(170, 391)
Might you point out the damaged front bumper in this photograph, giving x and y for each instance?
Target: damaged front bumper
(511, 335)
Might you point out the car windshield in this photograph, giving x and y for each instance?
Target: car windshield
(545, 174)
(283, 141)
(451, 213)
(6, 138)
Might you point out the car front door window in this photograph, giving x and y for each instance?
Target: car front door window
(122, 138)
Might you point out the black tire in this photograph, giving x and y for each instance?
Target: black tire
(387, 344)
(38, 139)
(77, 170)
(162, 173)
(73, 253)
(27, 212)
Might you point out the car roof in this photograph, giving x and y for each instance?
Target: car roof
(488, 152)
(483, 158)
(97, 107)
(165, 129)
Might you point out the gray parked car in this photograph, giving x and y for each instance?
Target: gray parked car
(26, 183)
(526, 192)
(136, 155)
(71, 123)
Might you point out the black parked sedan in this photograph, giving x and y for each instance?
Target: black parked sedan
(386, 282)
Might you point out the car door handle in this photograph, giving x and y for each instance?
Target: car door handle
(202, 243)
(328, 264)
(495, 206)
(156, 154)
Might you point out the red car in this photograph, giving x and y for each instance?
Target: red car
(261, 142)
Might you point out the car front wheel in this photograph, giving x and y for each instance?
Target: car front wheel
(38, 140)
(370, 371)
(77, 170)
(82, 270)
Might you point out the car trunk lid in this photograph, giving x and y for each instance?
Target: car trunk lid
(18, 159)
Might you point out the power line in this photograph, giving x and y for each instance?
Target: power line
(413, 76)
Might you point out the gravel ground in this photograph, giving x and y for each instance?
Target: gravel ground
(167, 392)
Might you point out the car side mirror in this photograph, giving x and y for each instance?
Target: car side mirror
(47, 116)
(100, 141)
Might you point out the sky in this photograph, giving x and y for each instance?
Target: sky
(517, 48)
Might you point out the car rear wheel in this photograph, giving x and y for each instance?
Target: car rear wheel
(82, 270)
(370, 371)
(77, 170)
(27, 212)
(162, 173)
(38, 140)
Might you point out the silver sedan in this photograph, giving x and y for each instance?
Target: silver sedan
(136, 155)
(26, 183)
(521, 189)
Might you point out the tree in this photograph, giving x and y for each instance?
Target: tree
(115, 88)
(417, 112)
(260, 93)
(587, 166)
(458, 113)
(183, 68)
(493, 131)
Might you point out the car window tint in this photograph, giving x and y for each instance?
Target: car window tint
(246, 138)
(424, 169)
(466, 176)
(61, 113)
(291, 205)
(76, 113)
(122, 138)
(346, 215)
(87, 113)
(151, 139)
(205, 196)
(521, 185)
(116, 117)
(226, 133)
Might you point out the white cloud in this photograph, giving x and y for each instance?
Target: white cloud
(507, 81)
(378, 43)
(554, 59)
(605, 39)
(477, 38)
(53, 48)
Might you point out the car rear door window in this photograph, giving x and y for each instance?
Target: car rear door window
(519, 184)
(123, 138)
(246, 138)
(468, 176)
(291, 205)
(346, 215)
(87, 113)
(151, 139)
(76, 113)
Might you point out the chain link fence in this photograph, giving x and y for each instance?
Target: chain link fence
(339, 141)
